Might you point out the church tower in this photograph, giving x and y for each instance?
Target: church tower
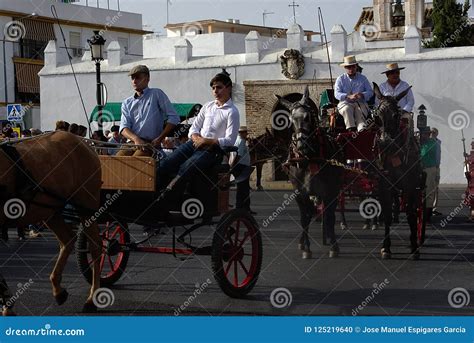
(392, 17)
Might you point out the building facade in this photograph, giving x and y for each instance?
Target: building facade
(440, 77)
(28, 26)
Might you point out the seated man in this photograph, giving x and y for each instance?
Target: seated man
(144, 114)
(216, 125)
(353, 90)
(394, 86)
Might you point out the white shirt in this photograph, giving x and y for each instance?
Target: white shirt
(217, 122)
(407, 102)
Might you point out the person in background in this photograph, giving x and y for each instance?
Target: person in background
(35, 132)
(62, 125)
(242, 170)
(25, 133)
(74, 128)
(82, 131)
(115, 138)
(434, 135)
(428, 162)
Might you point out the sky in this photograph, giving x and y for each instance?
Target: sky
(345, 12)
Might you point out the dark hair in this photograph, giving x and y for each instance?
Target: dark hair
(26, 133)
(101, 136)
(74, 128)
(82, 130)
(223, 77)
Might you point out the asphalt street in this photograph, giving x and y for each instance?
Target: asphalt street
(358, 282)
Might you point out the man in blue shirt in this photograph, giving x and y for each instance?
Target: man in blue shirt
(145, 113)
(353, 90)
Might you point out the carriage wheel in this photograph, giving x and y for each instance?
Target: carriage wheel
(421, 216)
(236, 253)
(113, 259)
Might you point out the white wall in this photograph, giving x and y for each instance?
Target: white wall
(7, 62)
(441, 81)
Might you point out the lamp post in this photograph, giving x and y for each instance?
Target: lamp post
(97, 43)
(421, 119)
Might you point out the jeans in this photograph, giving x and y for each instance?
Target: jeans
(186, 162)
(242, 199)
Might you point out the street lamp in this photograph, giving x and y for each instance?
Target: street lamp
(97, 43)
(421, 119)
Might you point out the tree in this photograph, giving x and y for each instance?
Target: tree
(451, 25)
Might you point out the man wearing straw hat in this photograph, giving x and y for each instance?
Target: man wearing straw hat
(394, 86)
(353, 90)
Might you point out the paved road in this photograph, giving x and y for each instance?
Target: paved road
(158, 284)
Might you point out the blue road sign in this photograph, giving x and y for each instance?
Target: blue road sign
(15, 113)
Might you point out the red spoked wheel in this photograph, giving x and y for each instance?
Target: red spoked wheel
(237, 253)
(114, 257)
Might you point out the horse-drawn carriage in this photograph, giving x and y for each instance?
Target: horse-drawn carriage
(469, 172)
(128, 196)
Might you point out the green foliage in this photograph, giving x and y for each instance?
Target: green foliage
(450, 24)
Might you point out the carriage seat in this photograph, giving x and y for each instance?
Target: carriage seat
(357, 145)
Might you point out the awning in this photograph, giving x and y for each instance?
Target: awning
(113, 111)
(27, 79)
(37, 30)
(327, 99)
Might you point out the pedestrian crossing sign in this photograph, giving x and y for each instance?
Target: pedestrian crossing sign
(15, 113)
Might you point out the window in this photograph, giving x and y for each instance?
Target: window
(75, 44)
(124, 44)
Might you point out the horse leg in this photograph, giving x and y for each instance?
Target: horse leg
(95, 248)
(375, 223)
(386, 204)
(412, 222)
(342, 211)
(66, 240)
(330, 205)
(306, 212)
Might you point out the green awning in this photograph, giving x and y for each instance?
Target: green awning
(113, 111)
(327, 99)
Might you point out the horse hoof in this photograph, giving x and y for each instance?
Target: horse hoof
(61, 297)
(333, 254)
(386, 254)
(365, 227)
(307, 255)
(89, 308)
(375, 227)
(415, 254)
(343, 226)
(300, 247)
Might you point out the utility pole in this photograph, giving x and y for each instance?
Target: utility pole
(264, 14)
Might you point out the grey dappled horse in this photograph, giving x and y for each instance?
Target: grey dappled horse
(310, 171)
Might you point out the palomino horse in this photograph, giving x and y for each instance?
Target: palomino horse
(313, 170)
(37, 177)
(401, 168)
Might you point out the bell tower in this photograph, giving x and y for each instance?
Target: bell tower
(388, 17)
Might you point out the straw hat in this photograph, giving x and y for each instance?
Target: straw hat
(349, 61)
(243, 129)
(392, 67)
